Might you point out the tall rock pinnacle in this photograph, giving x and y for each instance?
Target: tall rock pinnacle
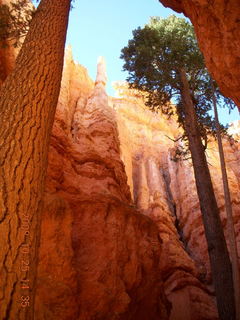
(101, 72)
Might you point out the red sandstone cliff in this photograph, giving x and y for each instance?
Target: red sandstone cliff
(122, 236)
(217, 25)
(99, 256)
(121, 232)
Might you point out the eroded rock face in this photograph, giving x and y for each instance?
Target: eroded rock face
(147, 146)
(165, 190)
(217, 25)
(188, 206)
(99, 256)
(122, 235)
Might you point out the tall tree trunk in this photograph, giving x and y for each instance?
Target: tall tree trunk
(217, 248)
(228, 206)
(28, 100)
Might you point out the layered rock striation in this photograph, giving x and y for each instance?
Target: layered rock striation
(99, 256)
(153, 173)
(165, 190)
(122, 236)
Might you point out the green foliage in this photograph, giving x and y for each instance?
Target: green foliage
(156, 53)
(14, 21)
(154, 58)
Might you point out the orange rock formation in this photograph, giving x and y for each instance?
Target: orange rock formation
(99, 256)
(122, 236)
(217, 25)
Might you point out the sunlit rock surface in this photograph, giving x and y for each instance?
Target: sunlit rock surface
(217, 27)
(99, 256)
(165, 190)
(147, 148)
(122, 236)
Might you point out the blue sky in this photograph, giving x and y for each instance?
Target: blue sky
(103, 28)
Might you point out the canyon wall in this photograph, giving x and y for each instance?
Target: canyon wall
(122, 236)
(99, 256)
(148, 139)
(146, 148)
(217, 25)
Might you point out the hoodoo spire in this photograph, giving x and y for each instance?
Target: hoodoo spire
(101, 72)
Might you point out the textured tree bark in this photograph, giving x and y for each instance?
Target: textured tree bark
(28, 100)
(217, 248)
